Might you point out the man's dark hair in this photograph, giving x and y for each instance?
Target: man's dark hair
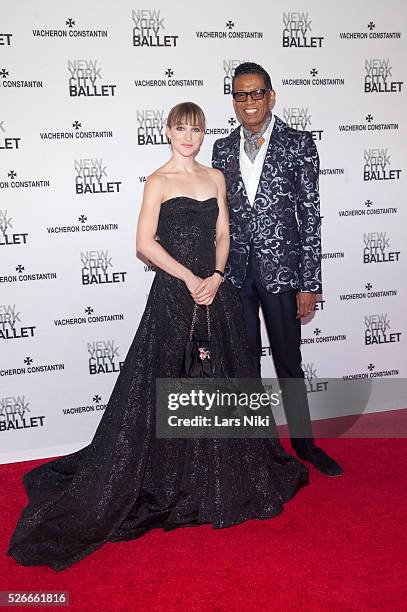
(252, 68)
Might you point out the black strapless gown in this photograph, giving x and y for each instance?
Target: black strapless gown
(127, 481)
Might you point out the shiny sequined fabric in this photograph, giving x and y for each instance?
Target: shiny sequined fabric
(127, 481)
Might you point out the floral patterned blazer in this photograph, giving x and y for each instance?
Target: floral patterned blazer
(284, 224)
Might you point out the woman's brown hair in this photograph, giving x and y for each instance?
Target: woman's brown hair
(186, 112)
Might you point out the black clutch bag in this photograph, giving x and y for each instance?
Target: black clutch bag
(198, 361)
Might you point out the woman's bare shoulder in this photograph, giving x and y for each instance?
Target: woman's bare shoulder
(155, 184)
(216, 176)
(160, 173)
(213, 173)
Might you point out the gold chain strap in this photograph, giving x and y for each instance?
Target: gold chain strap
(194, 318)
(208, 322)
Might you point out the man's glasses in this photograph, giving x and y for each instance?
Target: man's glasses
(256, 94)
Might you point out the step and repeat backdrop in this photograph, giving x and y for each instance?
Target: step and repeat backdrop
(85, 89)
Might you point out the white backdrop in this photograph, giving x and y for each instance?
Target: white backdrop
(85, 90)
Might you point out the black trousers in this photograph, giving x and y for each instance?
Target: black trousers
(284, 331)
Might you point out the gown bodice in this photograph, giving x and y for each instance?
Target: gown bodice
(187, 230)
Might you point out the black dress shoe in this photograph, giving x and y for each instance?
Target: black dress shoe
(323, 462)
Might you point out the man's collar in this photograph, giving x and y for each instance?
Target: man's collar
(266, 134)
(278, 127)
(246, 131)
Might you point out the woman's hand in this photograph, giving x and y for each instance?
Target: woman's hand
(205, 293)
(192, 282)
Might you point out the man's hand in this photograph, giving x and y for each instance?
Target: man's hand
(305, 303)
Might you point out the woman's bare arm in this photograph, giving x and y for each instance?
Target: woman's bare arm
(205, 293)
(222, 225)
(147, 224)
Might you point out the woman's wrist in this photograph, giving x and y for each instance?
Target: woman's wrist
(187, 276)
(218, 277)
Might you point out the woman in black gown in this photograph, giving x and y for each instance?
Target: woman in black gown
(127, 481)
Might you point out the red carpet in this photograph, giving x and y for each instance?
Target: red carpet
(339, 545)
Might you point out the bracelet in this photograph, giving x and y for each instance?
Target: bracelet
(222, 274)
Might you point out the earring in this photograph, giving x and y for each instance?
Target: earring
(169, 140)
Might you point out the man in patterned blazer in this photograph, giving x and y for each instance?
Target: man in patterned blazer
(271, 174)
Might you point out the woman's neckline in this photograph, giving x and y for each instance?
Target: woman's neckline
(182, 197)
